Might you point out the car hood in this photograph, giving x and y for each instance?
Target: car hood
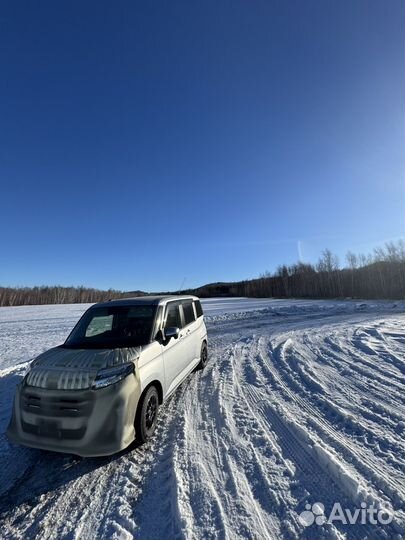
(75, 369)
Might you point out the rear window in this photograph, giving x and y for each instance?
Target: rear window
(188, 312)
(198, 308)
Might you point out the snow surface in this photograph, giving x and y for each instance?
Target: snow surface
(302, 402)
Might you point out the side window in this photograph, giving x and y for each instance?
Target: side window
(198, 308)
(188, 312)
(173, 317)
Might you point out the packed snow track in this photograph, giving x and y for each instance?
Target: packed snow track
(301, 408)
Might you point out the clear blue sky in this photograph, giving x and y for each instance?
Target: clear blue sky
(144, 143)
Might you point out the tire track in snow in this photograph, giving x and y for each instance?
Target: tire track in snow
(392, 491)
(221, 493)
(311, 481)
(347, 424)
(388, 484)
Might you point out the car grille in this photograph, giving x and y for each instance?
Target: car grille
(55, 406)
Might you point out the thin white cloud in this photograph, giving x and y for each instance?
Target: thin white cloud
(300, 251)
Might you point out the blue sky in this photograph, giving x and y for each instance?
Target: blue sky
(142, 144)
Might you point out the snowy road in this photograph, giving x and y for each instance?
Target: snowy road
(302, 402)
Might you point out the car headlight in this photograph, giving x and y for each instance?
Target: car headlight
(112, 375)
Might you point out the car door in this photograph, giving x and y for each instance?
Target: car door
(190, 329)
(176, 352)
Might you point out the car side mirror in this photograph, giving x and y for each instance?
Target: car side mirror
(172, 331)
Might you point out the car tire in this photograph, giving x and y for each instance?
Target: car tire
(203, 356)
(146, 417)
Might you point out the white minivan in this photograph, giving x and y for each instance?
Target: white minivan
(102, 388)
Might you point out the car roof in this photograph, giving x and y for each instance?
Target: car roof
(145, 300)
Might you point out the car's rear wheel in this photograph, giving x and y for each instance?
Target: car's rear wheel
(146, 418)
(203, 356)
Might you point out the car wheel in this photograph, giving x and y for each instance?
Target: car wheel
(146, 418)
(203, 356)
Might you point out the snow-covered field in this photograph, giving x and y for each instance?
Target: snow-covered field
(301, 404)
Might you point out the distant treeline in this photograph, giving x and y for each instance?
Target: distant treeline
(378, 275)
(55, 295)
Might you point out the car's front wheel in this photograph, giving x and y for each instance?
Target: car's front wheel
(146, 418)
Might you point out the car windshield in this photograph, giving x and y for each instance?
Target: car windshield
(112, 327)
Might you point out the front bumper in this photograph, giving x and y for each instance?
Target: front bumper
(84, 422)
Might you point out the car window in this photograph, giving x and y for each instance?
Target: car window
(98, 325)
(113, 326)
(198, 308)
(188, 312)
(173, 317)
